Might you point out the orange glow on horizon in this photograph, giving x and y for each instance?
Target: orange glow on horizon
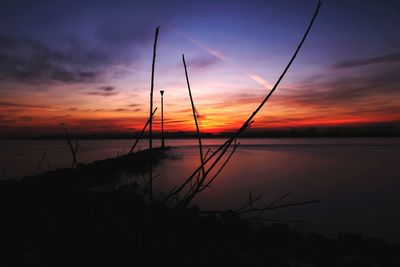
(211, 120)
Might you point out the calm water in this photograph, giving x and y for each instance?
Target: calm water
(356, 179)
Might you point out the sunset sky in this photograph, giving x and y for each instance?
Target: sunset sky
(86, 65)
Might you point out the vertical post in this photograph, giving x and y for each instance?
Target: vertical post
(151, 117)
(162, 119)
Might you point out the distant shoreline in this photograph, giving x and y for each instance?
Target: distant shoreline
(193, 137)
(381, 130)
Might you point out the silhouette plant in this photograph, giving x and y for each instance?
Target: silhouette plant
(224, 147)
(73, 148)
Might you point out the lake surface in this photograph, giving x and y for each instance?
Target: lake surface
(356, 179)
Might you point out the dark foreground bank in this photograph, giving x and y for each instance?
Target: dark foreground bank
(57, 220)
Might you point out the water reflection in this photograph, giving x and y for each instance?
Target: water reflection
(356, 179)
(356, 183)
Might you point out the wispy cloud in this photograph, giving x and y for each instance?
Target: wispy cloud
(21, 105)
(30, 61)
(387, 58)
(260, 80)
(120, 110)
(346, 89)
(102, 93)
(218, 54)
(107, 88)
(201, 62)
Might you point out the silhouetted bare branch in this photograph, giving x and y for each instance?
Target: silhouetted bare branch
(277, 207)
(249, 121)
(73, 149)
(41, 162)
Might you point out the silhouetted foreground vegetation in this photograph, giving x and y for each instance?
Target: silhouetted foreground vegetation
(58, 219)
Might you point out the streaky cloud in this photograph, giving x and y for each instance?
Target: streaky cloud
(107, 88)
(102, 93)
(19, 105)
(384, 59)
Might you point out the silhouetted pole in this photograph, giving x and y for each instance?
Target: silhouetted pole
(151, 117)
(162, 119)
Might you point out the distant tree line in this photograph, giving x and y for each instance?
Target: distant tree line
(342, 131)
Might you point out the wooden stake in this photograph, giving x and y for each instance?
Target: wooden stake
(151, 117)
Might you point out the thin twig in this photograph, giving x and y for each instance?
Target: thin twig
(250, 202)
(208, 151)
(222, 166)
(200, 187)
(188, 180)
(41, 162)
(273, 203)
(141, 133)
(279, 206)
(72, 148)
(274, 220)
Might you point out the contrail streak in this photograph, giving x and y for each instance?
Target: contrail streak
(255, 77)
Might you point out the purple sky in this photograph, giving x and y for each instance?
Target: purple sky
(86, 64)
